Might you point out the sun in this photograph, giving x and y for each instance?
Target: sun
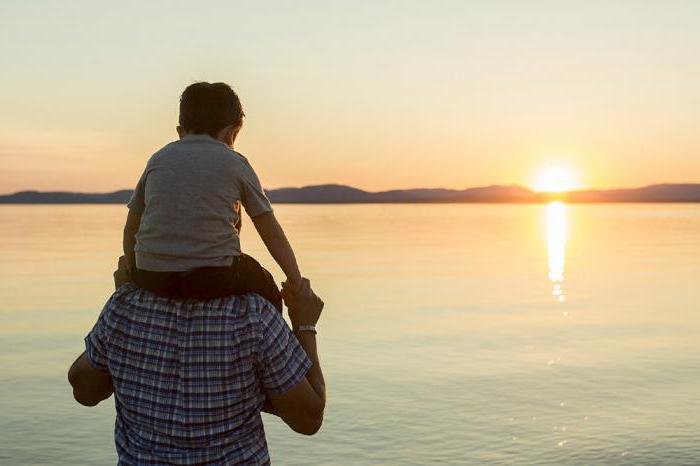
(555, 179)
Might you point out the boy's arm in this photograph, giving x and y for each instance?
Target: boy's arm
(133, 220)
(276, 242)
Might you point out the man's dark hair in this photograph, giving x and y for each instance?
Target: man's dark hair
(206, 108)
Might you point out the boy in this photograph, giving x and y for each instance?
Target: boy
(181, 233)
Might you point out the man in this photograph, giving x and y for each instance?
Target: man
(190, 377)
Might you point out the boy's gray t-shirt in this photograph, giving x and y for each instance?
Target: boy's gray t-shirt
(189, 199)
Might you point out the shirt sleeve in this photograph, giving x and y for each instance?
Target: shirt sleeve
(137, 203)
(96, 342)
(253, 196)
(283, 362)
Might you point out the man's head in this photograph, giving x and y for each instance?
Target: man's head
(210, 108)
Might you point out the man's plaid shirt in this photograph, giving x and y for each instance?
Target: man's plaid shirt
(190, 377)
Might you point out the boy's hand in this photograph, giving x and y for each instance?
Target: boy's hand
(296, 285)
(293, 290)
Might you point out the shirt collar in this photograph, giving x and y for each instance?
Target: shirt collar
(200, 137)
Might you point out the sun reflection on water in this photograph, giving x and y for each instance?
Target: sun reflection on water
(556, 246)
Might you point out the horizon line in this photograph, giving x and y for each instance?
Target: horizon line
(493, 185)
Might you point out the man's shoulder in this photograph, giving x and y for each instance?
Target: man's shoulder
(125, 296)
(250, 304)
(249, 308)
(117, 305)
(129, 295)
(134, 313)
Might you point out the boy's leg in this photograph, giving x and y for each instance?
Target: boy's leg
(160, 283)
(121, 275)
(245, 275)
(251, 277)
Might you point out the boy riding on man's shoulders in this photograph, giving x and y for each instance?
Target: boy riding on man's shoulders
(181, 237)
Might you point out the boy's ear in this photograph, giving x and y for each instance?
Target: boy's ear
(234, 132)
(181, 131)
(228, 135)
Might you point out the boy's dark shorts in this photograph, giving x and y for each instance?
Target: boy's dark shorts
(245, 275)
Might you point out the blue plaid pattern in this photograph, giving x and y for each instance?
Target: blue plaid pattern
(190, 376)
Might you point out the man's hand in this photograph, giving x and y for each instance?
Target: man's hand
(303, 304)
(302, 406)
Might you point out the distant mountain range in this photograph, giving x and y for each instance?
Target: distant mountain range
(340, 194)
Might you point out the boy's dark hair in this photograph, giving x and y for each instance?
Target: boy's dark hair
(206, 108)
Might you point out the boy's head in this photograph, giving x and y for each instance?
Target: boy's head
(208, 108)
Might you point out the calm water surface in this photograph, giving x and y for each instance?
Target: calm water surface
(461, 334)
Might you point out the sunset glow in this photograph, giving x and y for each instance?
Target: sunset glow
(555, 179)
(332, 93)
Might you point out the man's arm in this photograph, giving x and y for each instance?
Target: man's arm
(90, 385)
(302, 406)
(133, 221)
(276, 242)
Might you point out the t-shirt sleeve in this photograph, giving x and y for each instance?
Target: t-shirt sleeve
(253, 196)
(96, 342)
(137, 203)
(283, 362)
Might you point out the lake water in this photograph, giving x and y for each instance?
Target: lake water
(453, 334)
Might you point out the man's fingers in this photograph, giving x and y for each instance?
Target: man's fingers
(285, 293)
(304, 297)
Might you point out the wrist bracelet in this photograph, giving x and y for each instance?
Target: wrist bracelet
(306, 328)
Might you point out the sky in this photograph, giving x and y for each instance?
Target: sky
(376, 94)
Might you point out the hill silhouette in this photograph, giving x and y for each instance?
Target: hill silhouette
(341, 194)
